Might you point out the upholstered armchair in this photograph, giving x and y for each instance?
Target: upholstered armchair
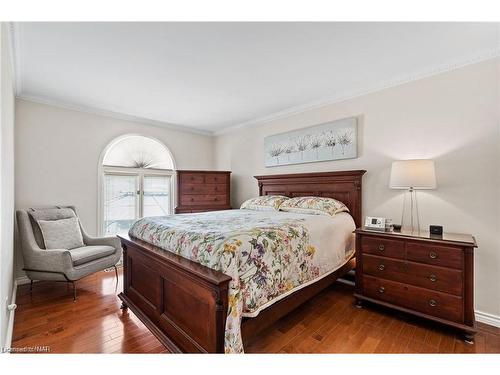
(61, 264)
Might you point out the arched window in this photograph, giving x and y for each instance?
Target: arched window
(136, 180)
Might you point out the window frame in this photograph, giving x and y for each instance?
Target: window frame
(140, 172)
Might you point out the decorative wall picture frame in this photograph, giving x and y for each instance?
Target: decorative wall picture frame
(329, 141)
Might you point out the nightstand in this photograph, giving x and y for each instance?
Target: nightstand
(418, 273)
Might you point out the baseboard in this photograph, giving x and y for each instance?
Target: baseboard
(490, 319)
(10, 324)
(22, 280)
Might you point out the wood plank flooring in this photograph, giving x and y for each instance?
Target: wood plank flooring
(93, 324)
(329, 323)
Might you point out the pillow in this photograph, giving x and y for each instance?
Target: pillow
(314, 206)
(51, 213)
(264, 203)
(47, 213)
(61, 234)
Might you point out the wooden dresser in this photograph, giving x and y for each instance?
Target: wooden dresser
(201, 191)
(431, 277)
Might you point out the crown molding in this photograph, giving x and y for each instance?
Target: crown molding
(486, 55)
(103, 112)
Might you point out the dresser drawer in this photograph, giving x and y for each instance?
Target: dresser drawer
(195, 210)
(216, 178)
(445, 256)
(204, 189)
(442, 305)
(198, 200)
(383, 247)
(192, 178)
(436, 278)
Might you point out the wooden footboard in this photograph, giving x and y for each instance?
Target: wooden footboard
(182, 303)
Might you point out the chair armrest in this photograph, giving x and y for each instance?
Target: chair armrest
(100, 241)
(96, 241)
(55, 260)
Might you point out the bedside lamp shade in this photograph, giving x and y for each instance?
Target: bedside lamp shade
(413, 174)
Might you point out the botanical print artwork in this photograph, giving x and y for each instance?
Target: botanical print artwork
(265, 256)
(331, 141)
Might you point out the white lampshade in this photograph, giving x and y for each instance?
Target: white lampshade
(416, 174)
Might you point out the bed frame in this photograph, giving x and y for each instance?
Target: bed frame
(184, 304)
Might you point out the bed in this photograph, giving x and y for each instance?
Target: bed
(183, 280)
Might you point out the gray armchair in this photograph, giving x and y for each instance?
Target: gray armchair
(98, 253)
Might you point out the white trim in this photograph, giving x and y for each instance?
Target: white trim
(486, 318)
(487, 55)
(10, 324)
(22, 280)
(106, 113)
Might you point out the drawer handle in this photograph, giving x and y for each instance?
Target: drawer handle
(215, 199)
(381, 267)
(381, 247)
(433, 255)
(192, 199)
(216, 189)
(432, 302)
(433, 278)
(192, 178)
(381, 289)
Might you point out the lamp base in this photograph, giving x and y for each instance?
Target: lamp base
(414, 214)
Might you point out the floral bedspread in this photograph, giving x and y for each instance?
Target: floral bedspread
(265, 256)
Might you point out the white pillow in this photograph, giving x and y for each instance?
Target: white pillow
(61, 234)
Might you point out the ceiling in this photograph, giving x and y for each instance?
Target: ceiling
(210, 76)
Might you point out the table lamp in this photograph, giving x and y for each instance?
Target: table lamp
(412, 175)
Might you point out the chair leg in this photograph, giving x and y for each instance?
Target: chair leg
(74, 291)
(31, 286)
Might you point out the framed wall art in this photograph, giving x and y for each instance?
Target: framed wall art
(329, 141)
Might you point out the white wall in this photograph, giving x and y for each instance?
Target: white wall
(452, 118)
(58, 151)
(6, 183)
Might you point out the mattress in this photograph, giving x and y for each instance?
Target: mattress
(268, 254)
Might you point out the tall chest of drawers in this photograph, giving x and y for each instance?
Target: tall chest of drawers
(201, 191)
(419, 274)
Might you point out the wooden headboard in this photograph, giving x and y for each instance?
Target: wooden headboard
(344, 186)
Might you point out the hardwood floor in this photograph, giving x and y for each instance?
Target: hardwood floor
(93, 324)
(329, 323)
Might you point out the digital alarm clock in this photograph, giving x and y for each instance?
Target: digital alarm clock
(375, 223)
